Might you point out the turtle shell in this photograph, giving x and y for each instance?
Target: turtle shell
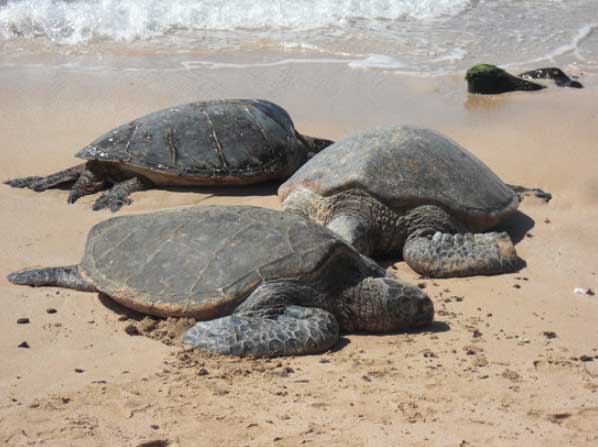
(216, 140)
(404, 167)
(203, 261)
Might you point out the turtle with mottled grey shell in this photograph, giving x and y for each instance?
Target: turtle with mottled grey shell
(413, 191)
(263, 282)
(225, 142)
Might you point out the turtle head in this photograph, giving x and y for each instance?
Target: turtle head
(388, 305)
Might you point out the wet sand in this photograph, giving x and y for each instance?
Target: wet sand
(511, 359)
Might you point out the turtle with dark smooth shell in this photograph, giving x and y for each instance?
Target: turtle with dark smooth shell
(413, 191)
(223, 142)
(263, 282)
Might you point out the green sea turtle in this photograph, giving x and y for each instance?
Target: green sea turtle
(489, 79)
(267, 283)
(413, 191)
(224, 142)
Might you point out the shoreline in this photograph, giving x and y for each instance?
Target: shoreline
(513, 385)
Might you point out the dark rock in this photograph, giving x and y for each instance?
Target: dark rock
(23, 320)
(24, 345)
(51, 310)
(131, 329)
(488, 79)
(155, 443)
(556, 74)
(557, 417)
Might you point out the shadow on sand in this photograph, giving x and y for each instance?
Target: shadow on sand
(262, 189)
(121, 310)
(517, 225)
(434, 328)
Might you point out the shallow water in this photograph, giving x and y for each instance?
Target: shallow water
(421, 37)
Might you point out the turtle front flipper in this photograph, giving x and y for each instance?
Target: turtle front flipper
(445, 255)
(270, 331)
(118, 195)
(92, 179)
(68, 277)
(438, 246)
(37, 183)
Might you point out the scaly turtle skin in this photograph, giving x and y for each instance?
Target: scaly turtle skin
(264, 282)
(225, 142)
(408, 190)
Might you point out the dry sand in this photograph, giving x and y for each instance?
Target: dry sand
(511, 361)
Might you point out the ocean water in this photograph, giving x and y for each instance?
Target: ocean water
(419, 37)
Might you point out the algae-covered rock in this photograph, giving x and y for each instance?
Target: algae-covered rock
(489, 79)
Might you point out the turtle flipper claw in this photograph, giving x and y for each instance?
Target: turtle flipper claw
(112, 201)
(119, 194)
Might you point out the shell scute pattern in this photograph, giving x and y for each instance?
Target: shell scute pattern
(240, 137)
(405, 166)
(208, 258)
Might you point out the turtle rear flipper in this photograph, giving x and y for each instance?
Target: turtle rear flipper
(37, 183)
(314, 144)
(267, 332)
(68, 277)
(523, 192)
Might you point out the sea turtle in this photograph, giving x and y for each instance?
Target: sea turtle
(223, 142)
(489, 79)
(410, 190)
(270, 283)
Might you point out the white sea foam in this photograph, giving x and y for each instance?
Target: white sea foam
(75, 21)
(583, 33)
(189, 65)
(377, 61)
(456, 54)
(429, 37)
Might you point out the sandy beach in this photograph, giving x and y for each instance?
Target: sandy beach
(512, 360)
